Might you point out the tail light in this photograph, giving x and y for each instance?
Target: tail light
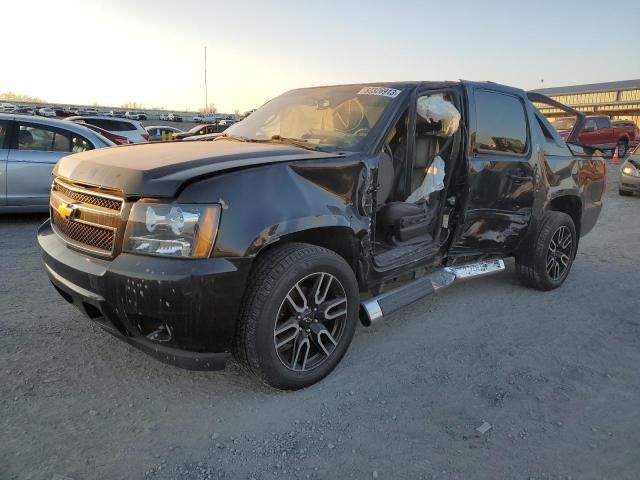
(145, 136)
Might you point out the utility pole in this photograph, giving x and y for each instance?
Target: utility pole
(206, 90)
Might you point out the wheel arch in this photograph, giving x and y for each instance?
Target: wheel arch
(339, 239)
(572, 206)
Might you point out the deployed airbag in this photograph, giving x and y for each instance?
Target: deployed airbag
(433, 182)
(434, 108)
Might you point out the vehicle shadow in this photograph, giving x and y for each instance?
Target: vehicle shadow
(23, 218)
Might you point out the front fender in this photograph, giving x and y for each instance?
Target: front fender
(262, 204)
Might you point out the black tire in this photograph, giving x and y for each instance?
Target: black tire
(625, 193)
(532, 263)
(273, 278)
(623, 147)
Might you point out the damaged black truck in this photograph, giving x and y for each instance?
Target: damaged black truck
(326, 205)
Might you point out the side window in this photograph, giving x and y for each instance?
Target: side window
(126, 126)
(80, 144)
(590, 125)
(501, 123)
(3, 132)
(602, 123)
(42, 139)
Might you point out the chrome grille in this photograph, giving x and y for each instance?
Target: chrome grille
(86, 217)
(94, 237)
(83, 196)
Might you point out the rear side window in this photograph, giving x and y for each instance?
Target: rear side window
(602, 123)
(3, 132)
(501, 123)
(43, 140)
(80, 144)
(111, 125)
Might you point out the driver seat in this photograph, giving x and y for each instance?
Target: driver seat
(401, 222)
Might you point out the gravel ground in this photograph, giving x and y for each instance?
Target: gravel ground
(554, 374)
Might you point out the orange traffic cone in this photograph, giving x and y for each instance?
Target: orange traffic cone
(615, 159)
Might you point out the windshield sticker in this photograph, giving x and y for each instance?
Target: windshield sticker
(380, 91)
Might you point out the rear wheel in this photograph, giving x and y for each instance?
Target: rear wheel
(625, 193)
(298, 317)
(549, 254)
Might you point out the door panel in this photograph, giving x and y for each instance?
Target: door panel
(29, 176)
(5, 141)
(501, 176)
(4, 154)
(34, 152)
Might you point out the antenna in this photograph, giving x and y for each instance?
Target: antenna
(206, 90)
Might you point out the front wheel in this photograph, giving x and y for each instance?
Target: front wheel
(298, 317)
(546, 260)
(624, 193)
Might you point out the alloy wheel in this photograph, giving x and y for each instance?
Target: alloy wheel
(310, 322)
(559, 253)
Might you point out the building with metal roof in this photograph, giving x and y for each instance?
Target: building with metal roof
(619, 100)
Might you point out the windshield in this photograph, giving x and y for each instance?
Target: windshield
(563, 123)
(329, 118)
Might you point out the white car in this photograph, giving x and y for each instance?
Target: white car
(46, 112)
(7, 107)
(133, 115)
(132, 129)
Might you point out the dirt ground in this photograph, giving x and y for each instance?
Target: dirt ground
(556, 375)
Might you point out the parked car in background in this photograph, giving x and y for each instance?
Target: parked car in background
(117, 139)
(25, 110)
(174, 117)
(600, 132)
(226, 122)
(159, 133)
(90, 111)
(197, 130)
(206, 118)
(629, 176)
(46, 112)
(132, 129)
(7, 107)
(29, 149)
(133, 115)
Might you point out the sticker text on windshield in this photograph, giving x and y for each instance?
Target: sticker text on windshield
(380, 91)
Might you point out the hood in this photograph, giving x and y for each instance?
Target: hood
(160, 169)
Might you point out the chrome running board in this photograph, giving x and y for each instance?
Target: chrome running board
(375, 308)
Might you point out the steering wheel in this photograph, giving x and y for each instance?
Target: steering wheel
(348, 116)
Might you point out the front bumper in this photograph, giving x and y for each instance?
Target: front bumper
(629, 183)
(182, 311)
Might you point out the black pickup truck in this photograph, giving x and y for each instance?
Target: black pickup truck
(271, 240)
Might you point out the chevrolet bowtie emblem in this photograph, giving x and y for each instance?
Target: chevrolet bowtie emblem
(69, 211)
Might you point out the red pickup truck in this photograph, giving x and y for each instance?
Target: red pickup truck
(599, 131)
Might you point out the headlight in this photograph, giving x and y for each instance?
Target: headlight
(171, 229)
(629, 170)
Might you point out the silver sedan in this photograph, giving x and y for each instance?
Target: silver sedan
(29, 149)
(630, 174)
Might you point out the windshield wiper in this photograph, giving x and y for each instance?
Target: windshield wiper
(237, 138)
(297, 142)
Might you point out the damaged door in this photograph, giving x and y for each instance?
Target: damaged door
(501, 167)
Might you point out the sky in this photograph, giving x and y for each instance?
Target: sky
(152, 51)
